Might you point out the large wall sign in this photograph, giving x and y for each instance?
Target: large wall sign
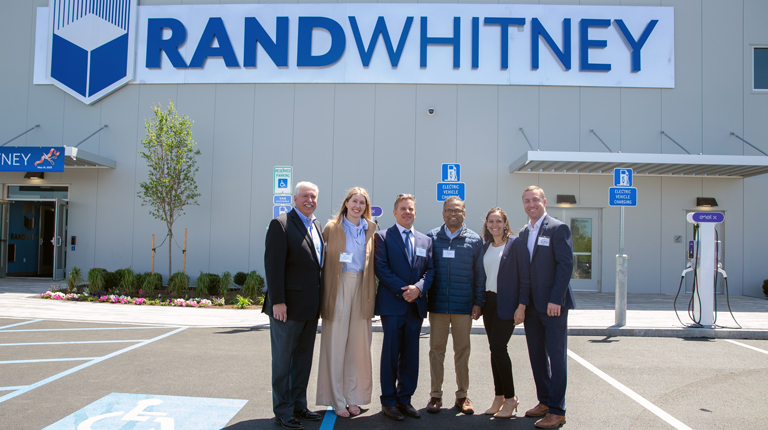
(603, 46)
(31, 159)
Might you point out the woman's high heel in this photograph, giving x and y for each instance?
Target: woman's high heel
(508, 409)
(498, 401)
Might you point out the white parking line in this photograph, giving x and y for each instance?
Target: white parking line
(19, 387)
(746, 346)
(85, 329)
(47, 360)
(27, 388)
(72, 342)
(18, 324)
(631, 394)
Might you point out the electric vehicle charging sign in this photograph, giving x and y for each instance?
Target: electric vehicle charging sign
(142, 411)
(715, 217)
(622, 196)
(278, 210)
(622, 177)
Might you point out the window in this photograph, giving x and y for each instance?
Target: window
(760, 68)
(34, 192)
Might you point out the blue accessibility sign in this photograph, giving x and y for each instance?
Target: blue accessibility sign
(282, 199)
(450, 189)
(118, 411)
(622, 196)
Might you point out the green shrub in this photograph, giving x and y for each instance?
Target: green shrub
(213, 283)
(152, 282)
(253, 285)
(178, 283)
(765, 287)
(224, 282)
(97, 279)
(112, 280)
(241, 302)
(201, 285)
(74, 277)
(139, 279)
(240, 278)
(127, 280)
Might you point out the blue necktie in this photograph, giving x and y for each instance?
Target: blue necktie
(408, 247)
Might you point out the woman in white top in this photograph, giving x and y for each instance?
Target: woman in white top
(508, 287)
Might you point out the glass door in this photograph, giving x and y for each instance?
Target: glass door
(60, 241)
(4, 208)
(585, 233)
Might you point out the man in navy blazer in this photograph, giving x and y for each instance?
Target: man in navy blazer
(546, 320)
(293, 261)
(403, 264)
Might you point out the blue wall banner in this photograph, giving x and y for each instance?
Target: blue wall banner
(31, 159)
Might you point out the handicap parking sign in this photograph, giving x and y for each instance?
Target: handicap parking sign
(144, 412)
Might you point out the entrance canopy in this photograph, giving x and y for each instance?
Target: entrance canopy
(78, 158)
(595, 163)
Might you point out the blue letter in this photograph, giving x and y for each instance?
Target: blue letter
(156, 43)
(475, 42)
(455, 41)
(277, 51)
(635, 46)
(585, 43)
(304, 57)
(214, 30)
(504, 23)
(380, 28)
(563, 56)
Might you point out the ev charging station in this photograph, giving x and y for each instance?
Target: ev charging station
(703, 255)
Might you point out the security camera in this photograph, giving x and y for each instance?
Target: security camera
(431, 111)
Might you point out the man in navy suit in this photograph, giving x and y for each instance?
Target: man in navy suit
(293, 262)
(546, 321)
(403, 264)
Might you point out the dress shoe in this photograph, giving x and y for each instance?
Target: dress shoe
(550, 421)
(409, 410)
(508, 409)
(434, 404)
(307, 415)
(498, 401)
(465, 406)
(392, 413)
(539, 411)
(289, 423)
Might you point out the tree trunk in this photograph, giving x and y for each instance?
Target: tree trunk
(170, 248)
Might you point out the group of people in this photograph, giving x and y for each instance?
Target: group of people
(451, 274)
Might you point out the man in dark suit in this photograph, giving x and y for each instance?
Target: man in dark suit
(293, 262)
(403, 264)
(546, 320)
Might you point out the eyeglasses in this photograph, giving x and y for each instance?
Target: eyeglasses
(409, 196)
(453, 211)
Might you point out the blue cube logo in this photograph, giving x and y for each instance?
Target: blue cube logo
(91, 46)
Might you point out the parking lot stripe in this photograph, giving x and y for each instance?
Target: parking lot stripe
(18, 324)
(88, 364)
(329, 419)
(747, 346)
(674, 422)
(47, 360)
(12, 388)
(72, 342)
(86, 329)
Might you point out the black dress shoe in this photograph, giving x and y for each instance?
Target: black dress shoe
(307, 415)
(392, 413)
(289, 423)
(409, 410)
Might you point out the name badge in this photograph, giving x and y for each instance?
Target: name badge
(449, 253)
(421, 252)
(543, 241)
(345, 257)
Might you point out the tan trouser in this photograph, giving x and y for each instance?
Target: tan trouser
(344, 376)
(459, 326)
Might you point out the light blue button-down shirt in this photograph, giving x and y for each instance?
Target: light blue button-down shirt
(355, 245)
(309, 223)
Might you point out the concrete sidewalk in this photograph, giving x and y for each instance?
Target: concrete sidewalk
(648, 314)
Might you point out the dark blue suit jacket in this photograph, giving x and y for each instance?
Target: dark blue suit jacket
(394, 272)
(552, 265)
(513, 284)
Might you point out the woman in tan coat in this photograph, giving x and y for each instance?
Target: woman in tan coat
(345, 378)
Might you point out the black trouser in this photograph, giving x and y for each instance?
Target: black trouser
(499, 332)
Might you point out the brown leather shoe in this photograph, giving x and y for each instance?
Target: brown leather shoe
(391, 412)
(434, 404)
(550, 421)
(465, 406)
(409, 410)
(539, 411)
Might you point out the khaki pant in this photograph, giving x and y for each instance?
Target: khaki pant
(460, 327)
(344, 376)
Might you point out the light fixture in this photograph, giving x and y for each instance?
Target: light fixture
(707, 202)
(566, 198)
(34, 175)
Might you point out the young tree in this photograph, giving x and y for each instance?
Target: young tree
(170, 155)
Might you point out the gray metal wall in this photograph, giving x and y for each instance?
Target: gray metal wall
(380, 137)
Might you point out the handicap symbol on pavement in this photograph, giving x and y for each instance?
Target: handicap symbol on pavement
(146, 412)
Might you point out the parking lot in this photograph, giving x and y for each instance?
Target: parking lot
(57, 375)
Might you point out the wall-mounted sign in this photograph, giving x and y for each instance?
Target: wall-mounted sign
(283, 179)
(31, 159)
(487, 44)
